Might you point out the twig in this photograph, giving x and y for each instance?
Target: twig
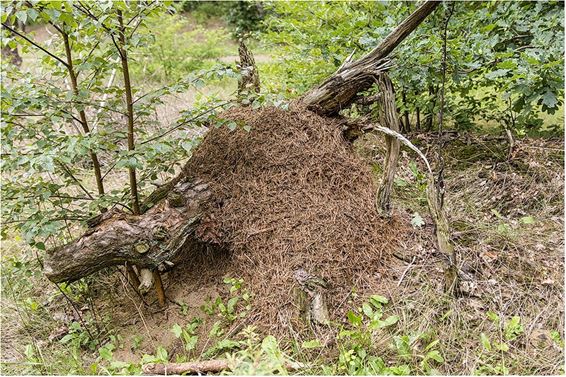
(405, 272)
(35, 44)
(183, 123)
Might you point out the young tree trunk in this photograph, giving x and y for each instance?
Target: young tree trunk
(339, 91)
(432, 91)
(130, 111)
(406, 113)
(82, 114)
(418, 121)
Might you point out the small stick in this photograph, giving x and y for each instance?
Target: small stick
(198, 367)
(133, 276)
(158, 284)
(405, 272)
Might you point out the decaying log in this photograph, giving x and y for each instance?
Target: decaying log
(339, 91)
(153, 240)
(389, 118)
(199, 367)
(249, 80)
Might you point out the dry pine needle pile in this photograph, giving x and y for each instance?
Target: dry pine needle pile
(291, 194)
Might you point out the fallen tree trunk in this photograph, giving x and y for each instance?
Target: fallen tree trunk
(339, 91)
(153, 240)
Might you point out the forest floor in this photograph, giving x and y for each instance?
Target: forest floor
(507, 220)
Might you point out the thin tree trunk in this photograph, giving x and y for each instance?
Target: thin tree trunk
(418, 122)
(130, 113)
(429, 119)
(82, 114)
(131, 146)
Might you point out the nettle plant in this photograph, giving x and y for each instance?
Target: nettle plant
(80, 133)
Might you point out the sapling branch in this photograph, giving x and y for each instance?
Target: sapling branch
(129, 111)
(82, 114)
(33, 43)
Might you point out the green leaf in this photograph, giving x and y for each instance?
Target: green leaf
(549, 100)
(436, 356)
(507, 64)
(485, 342)
(417, 221)
(513, 328)
(33, 14)
(105, 353)
(22, 15)
(527, 220)
(391, 320)
(191, 343)
(492, 316)
(502, 346)
(378, 300)
(367, 309)
(496, 74)
(354, 319)
(177, 330)
(161, 354)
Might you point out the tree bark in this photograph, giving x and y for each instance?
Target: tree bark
(249, 80)
(82, 114)
(339, 91)
(154, 240)
(130, 111)
(389, 118)
(406, 113)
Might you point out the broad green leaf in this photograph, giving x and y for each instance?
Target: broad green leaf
(549, 100)
(527, 220)
(22, 16)
(177, 330)
(436, 356)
